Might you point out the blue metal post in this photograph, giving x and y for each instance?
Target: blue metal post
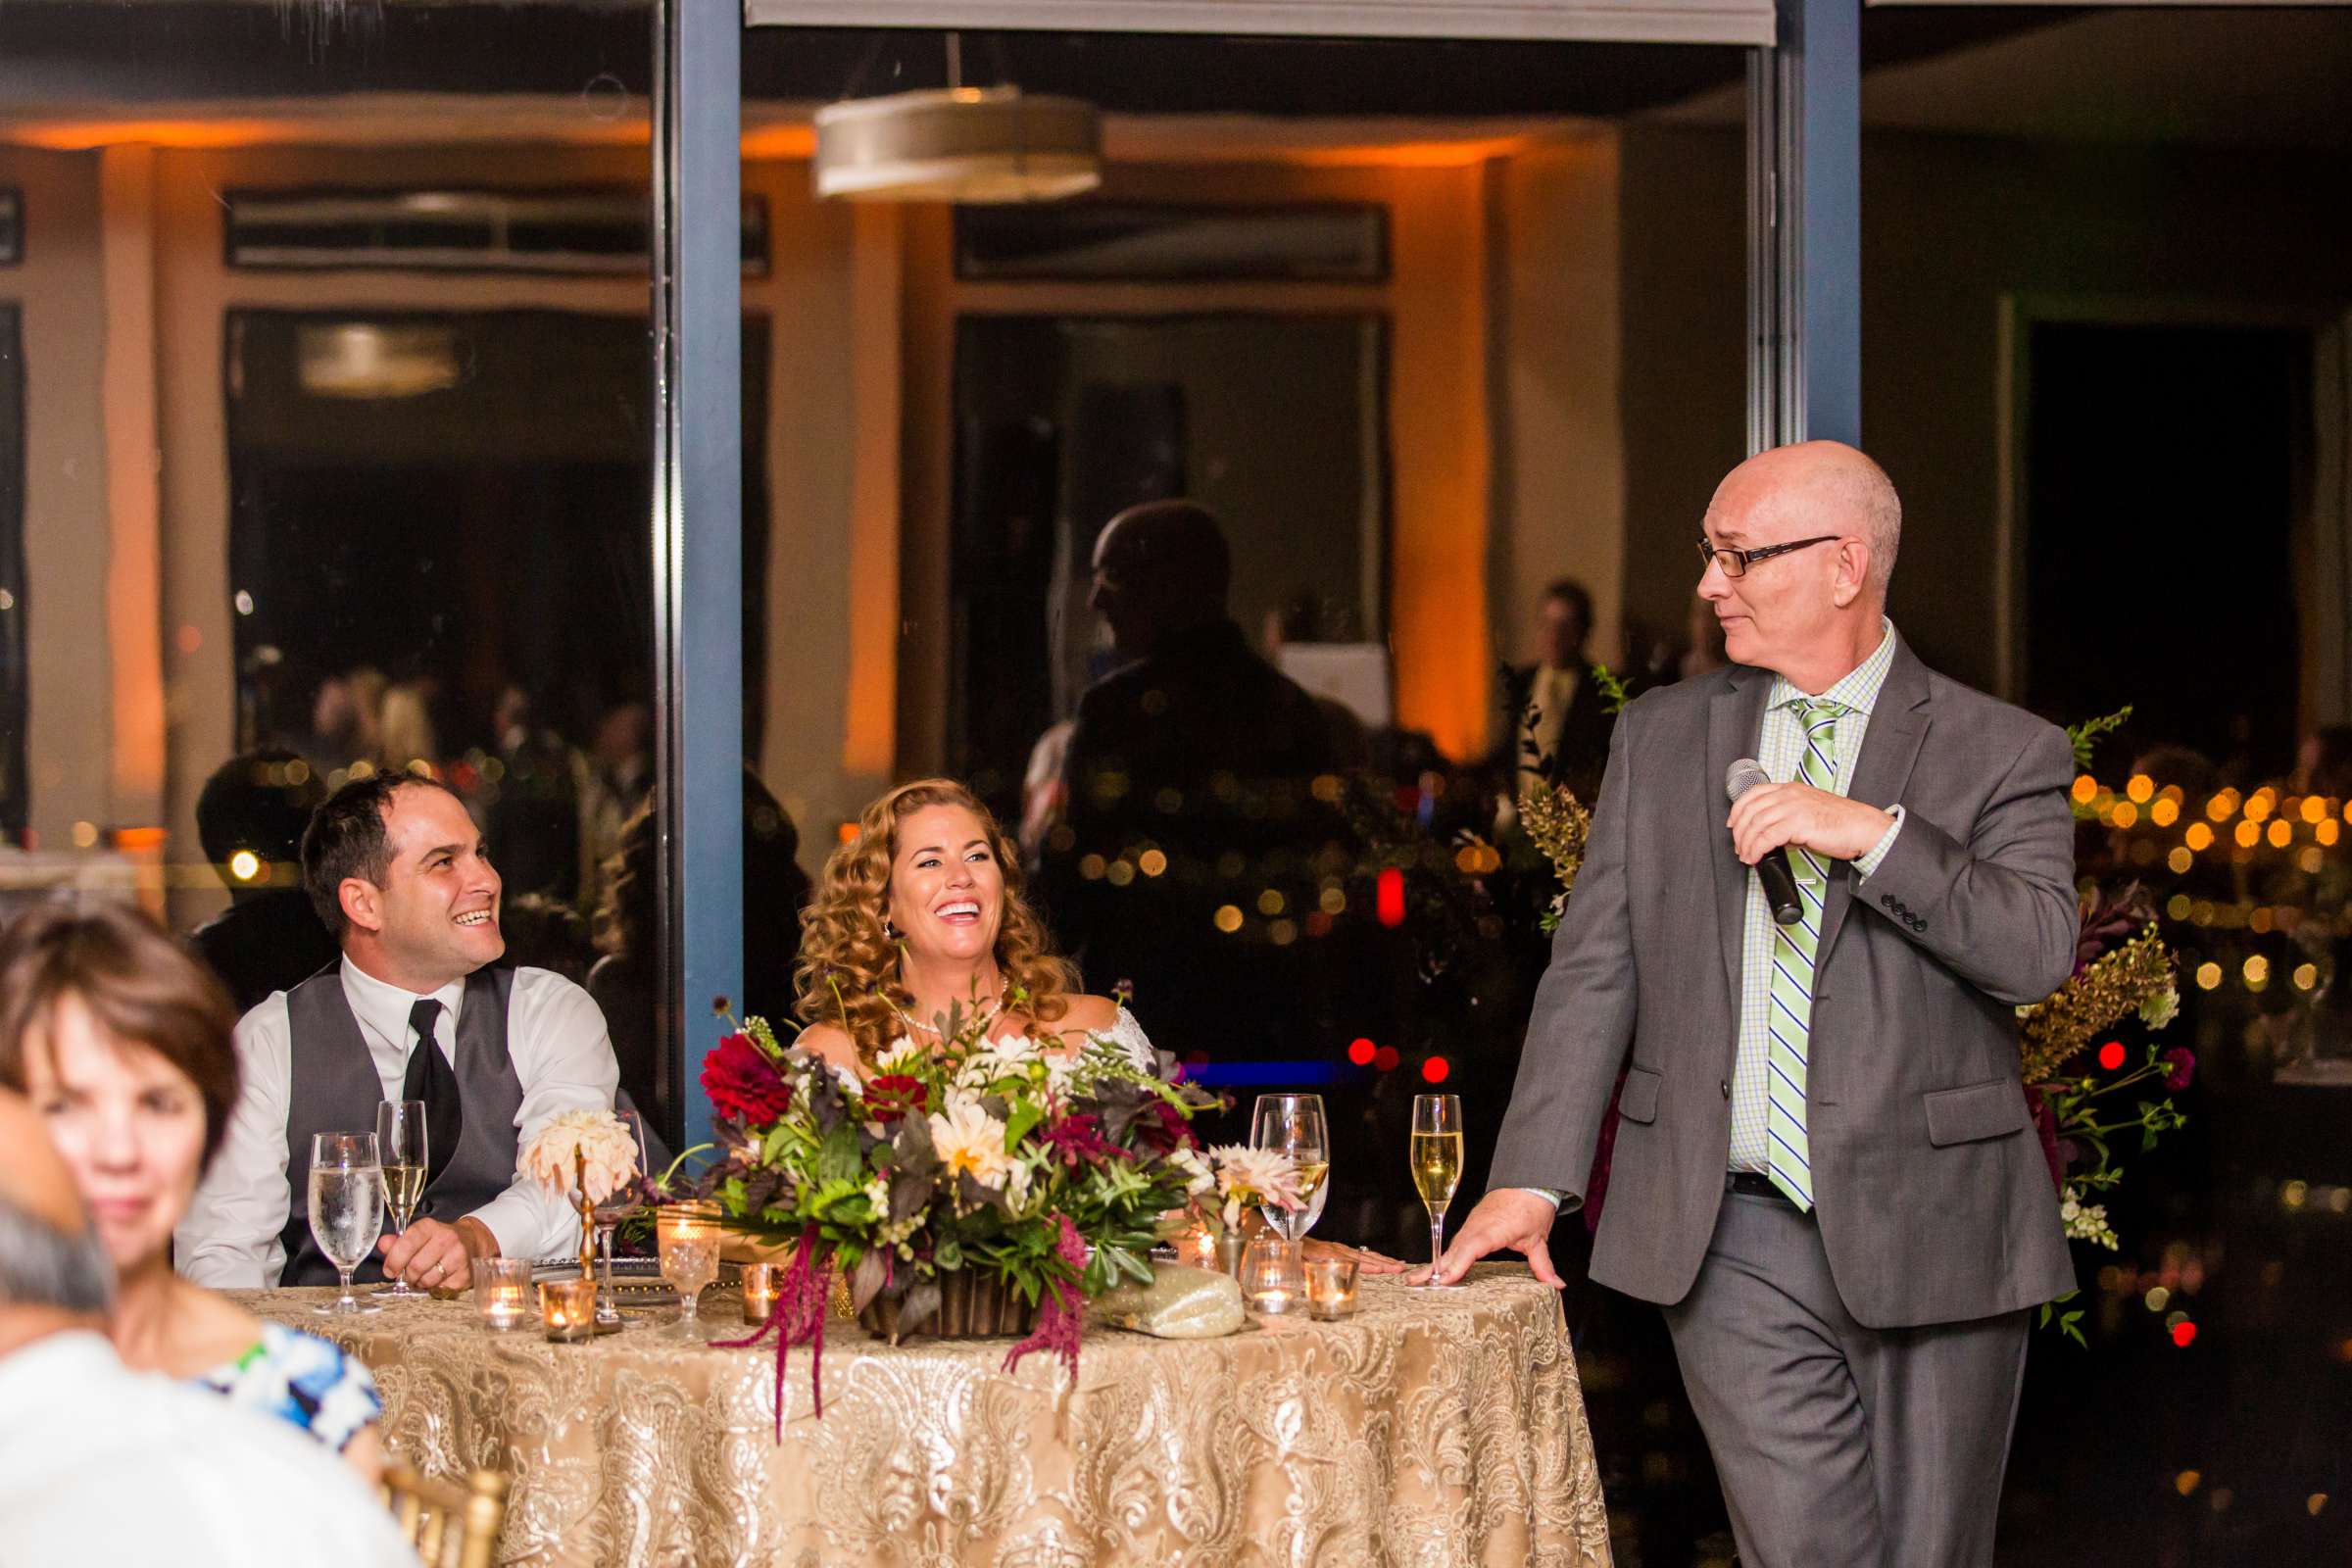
(1828, 45)
(1805, 228)
(698, 534)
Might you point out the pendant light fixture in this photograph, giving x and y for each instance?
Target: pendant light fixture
(974, 145)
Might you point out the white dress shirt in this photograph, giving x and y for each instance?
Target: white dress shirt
(101, 1464)
(563, 1057)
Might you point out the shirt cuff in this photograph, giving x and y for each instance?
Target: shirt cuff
(1869, 863)
(1546, 1193)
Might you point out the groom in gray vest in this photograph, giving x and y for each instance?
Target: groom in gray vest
(417, 1009)
(1825, 1171)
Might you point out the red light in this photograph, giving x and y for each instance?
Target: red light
(1434, 1069)
(1196, 1059)
(2183, 1332)
(2111, 1055)
(1386, 1058)
(1359, 1052)
(1388, 900)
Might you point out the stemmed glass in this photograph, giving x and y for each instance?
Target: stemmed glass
(400, 1139)
(1294, 1125)
(347, 1207)
(1436, 1160)
(619, 1205)
(688, 1234)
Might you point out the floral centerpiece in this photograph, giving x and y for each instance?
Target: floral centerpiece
(984, 1165)
(585, 1156)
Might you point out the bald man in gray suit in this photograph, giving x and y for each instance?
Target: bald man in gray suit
(1826, 1172)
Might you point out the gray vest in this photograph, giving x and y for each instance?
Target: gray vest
(332, 1088)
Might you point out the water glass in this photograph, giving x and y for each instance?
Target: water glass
(347, 1207)
(1295, 1125)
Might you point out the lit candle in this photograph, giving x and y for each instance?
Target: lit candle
(1271, 1281)
(567, 1310)
(1204, 1248)
(502, 1287)
(758, 1292)
(1330, 1287)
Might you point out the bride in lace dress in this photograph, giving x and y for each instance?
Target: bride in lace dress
(921, 910)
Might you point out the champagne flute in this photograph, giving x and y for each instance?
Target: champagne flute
(688, 1234)
(400, 1139)
(347, 1207)
(619, 1205)
(1294, 1125)
(1436, 1160)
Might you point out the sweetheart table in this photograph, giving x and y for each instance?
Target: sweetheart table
(1429, 1430)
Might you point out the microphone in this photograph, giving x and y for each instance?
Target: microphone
(1780, 883)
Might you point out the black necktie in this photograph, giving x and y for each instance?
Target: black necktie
(431, 1079)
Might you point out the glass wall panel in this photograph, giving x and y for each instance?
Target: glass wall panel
(2105, 303)
(1426, 329)
(324, 389)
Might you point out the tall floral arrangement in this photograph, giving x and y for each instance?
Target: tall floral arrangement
(1040, 1174)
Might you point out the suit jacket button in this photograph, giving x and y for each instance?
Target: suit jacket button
(1885, 901)
(1726, 1087)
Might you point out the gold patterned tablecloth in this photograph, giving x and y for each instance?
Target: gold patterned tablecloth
(1432, 1428)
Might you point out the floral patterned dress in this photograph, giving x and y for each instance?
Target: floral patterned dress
(304, 1379)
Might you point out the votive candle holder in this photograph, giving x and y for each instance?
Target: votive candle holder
(759, 1284)
(1330, 1287)
(502, 1292)
(1271, 1279)
(567, 1310)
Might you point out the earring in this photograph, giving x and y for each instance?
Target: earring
(890, 929)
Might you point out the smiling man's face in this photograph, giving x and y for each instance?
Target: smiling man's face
(437, 909)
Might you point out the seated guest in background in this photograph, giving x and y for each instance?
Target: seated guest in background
(122, 1043)
(626, 982)
(270, 937)
(1557, 721)
(101, 1464)
(418, 1009)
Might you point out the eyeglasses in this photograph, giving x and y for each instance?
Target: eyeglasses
(1735, 562)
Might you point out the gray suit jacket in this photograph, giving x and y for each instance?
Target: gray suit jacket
(1933, 1197)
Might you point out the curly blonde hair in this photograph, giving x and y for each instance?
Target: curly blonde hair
(847, 970)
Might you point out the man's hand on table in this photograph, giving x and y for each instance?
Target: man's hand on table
(431, 1255)
(1507, 1217)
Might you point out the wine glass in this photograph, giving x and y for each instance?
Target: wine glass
(347, 1207)
(400, 1139)
(1436, 1160)
(1294, 1125)
(617, 1207)
(688, 1234)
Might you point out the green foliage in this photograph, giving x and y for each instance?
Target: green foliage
(2085, 736)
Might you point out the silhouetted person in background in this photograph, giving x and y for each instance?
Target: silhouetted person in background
(1185, 862)
(534, 816)
(1557, 718)
(626, 981)
(269, 937)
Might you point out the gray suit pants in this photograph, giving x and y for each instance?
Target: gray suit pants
(1839, 1445)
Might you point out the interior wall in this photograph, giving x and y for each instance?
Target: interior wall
(178, 261)
(1436, 300)
(1683, 247)
(1952, 228)
(60, 286)
(1560, 425)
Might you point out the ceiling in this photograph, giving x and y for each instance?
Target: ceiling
(2246, 77)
